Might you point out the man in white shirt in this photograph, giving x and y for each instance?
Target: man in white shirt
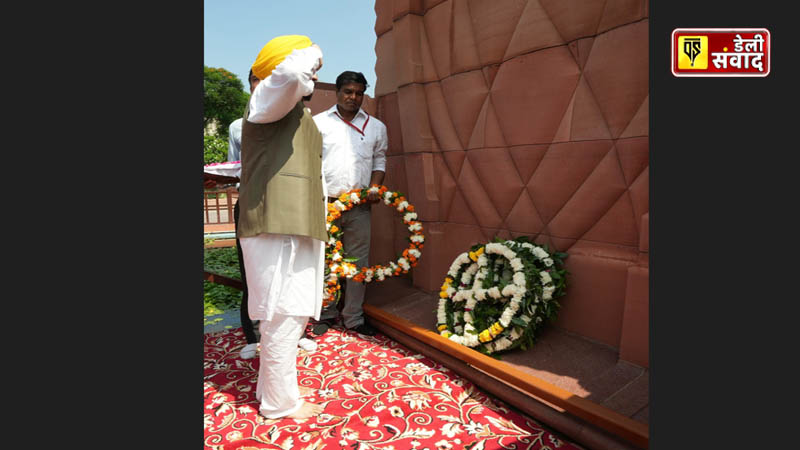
(354, 148)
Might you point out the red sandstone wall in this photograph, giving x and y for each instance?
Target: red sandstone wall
(524, 117)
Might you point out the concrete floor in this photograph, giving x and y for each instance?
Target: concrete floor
(230, 319)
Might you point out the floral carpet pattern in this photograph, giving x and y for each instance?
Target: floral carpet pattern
(377, 394)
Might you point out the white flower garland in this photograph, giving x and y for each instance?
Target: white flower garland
(528, 299)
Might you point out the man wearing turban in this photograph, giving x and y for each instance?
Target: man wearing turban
(282, 227)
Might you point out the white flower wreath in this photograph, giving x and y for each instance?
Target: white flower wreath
(517, 277)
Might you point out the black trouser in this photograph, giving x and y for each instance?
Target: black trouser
(247, 324)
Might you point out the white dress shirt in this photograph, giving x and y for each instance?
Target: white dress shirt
(235, 144)
(235, 140)
(348, 157)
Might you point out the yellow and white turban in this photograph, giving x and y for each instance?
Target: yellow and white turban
(275, 51)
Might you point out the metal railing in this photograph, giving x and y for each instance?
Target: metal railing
(218, 205)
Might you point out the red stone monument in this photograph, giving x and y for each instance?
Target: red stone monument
(528, 117)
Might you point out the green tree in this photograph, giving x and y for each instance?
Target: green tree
(215, 149)
(224, 98)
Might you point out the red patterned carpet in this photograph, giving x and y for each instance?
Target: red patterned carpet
(377, 395)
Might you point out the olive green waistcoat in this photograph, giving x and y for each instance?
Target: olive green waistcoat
(281, 181)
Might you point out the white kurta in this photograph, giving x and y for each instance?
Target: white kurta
(284, 272)
(284, 275)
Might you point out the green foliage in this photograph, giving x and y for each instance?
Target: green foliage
(218, 298)
(484, 314)
(223, 261)
(224, 98)
(210, 310)
(215, 149)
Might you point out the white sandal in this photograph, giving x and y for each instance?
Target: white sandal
(307, 345)
(249, 351)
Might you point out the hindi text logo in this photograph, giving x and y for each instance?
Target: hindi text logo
(720, 52)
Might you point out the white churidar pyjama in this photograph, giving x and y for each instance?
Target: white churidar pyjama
(285, 284)
(276, 388)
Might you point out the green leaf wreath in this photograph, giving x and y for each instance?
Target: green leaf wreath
(497, 296)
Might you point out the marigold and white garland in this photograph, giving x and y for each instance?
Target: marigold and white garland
(337, 265)
(497, 296)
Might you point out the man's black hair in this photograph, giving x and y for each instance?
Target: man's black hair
(349, 76)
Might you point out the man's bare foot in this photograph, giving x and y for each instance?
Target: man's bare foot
(306, 411)
(304, 391)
